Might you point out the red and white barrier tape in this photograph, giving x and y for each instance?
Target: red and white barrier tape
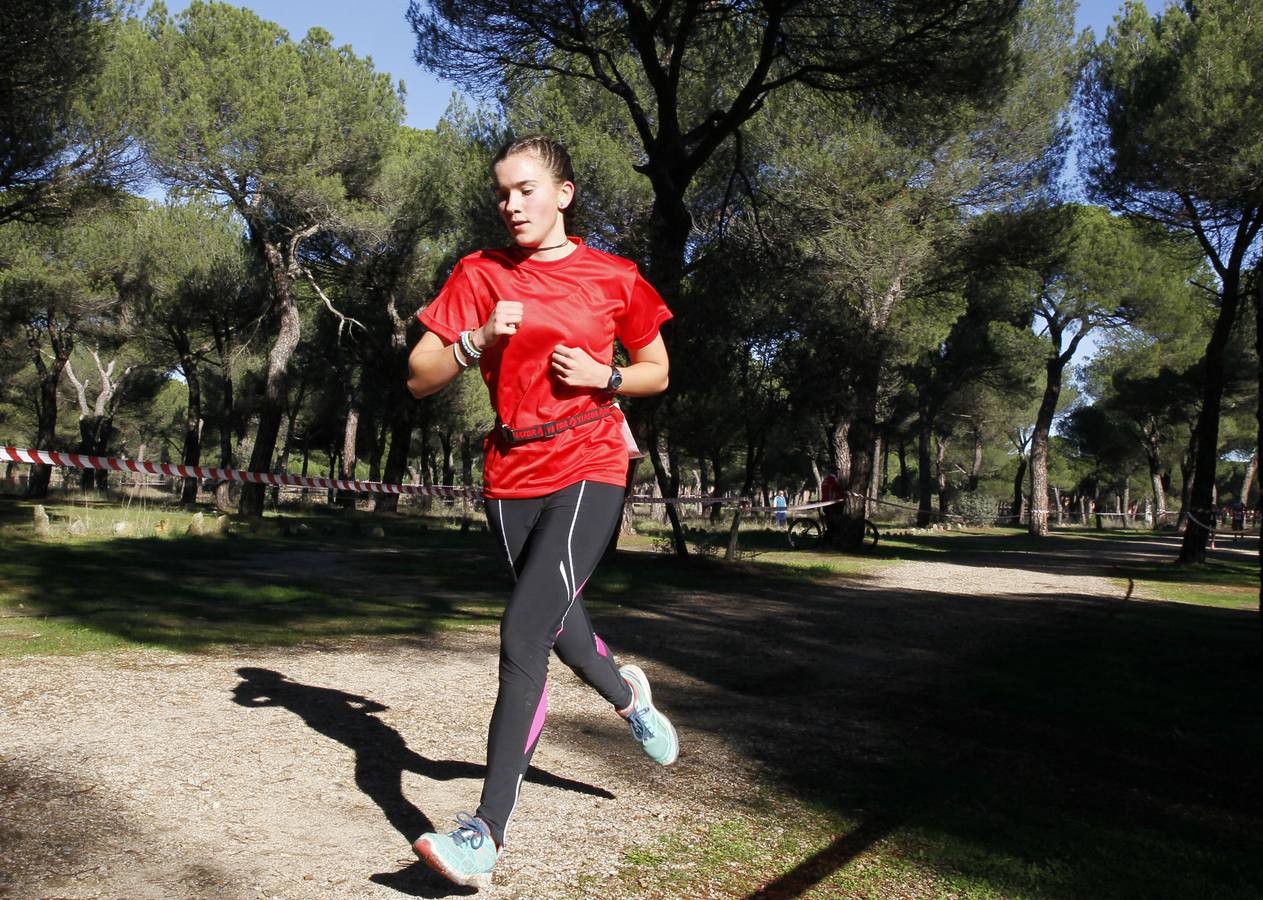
(730, 501)
(81, 461)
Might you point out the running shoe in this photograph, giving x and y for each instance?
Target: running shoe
(651, 729)
(465, 856)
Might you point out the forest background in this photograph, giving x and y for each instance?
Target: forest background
(885, 231)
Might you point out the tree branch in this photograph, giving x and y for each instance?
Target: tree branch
(80, 390)
(343, 319)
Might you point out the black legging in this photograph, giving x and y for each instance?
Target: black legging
(553, 543)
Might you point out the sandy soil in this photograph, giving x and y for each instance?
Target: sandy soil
(305, 773)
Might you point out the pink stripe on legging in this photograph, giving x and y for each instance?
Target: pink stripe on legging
(600, 645)
(537, 724)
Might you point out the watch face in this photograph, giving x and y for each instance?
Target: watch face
(616, 380)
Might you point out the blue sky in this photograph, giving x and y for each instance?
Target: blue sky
(377, 28)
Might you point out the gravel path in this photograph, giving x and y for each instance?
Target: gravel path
(305, 773)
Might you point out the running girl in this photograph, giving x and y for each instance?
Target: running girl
(539, 318)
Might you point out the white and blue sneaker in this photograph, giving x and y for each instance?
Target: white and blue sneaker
(651, 729)
(465, 856)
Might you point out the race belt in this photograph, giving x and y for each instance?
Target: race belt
(545, 430)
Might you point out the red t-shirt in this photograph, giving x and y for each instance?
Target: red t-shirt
(583, 300)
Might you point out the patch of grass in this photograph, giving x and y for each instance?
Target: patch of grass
(730, 856)
(54, 637)
(272, 583)
(1229, 596)
(299, 578)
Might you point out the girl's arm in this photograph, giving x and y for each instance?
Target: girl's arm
(432, 364)
(647, 375)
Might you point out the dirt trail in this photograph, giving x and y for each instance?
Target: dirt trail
(305, 773)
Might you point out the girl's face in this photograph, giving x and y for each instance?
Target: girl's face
(530, 201)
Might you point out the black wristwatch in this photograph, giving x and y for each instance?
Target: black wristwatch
(615, 382)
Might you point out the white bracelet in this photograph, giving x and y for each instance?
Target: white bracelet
(463, 363)
(467, 346)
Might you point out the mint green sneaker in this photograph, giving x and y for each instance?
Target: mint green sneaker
(651, 729)
(465, 856)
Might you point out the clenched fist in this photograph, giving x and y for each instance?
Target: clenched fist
(572, 366)
(504, 321)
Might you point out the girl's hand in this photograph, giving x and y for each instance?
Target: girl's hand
(573, 367)
(505, 318)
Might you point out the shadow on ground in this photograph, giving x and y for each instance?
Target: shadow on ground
(1055, 746)
(381, 758)
(1100, 553)
(1063, 746)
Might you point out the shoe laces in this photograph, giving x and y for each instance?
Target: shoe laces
(471, 830)
(640, 728)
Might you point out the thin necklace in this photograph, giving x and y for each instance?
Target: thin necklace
(542, 249)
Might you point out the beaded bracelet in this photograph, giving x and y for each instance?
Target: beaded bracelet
(472, 353)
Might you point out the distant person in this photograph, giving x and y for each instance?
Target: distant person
(829, 488)
(779, 505)
(1238, 520)
(539, 319)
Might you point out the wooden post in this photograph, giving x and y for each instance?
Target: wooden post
(732, 533)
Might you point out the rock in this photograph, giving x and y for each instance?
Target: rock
(161, 527)
(222, 524)
(43, 528)
(197, 527)
(122, 528)
(78, 527)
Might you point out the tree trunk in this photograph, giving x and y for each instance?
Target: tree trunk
(859, 463)
(840, 444)
(1186, 482)
(449, 465)
(878, 481)
(95, 432)
(227, 412)
(903, 492)
(192, 453)
(1159, 495)
(62, 342)
(1247, 480)
(1018, 480)
(45, 433)
(350, 436)
(940, 475)
(668, 483)
(467, 445)
(1055, 366)
(287, 446)
(975, 471)
(1214, 377)
(925, 470)
(397, 455)
(670, 223)
(718, 484)
(378, 449)
(288, 333)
